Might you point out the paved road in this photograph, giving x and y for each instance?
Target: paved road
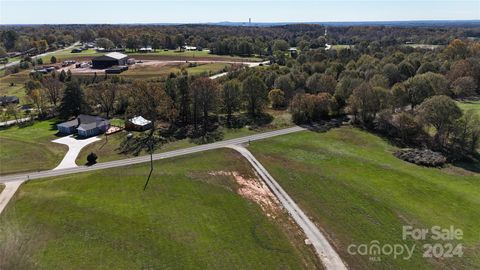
(142, 159)
(8, 192)
(40, 55)
(13, 122)
(250, 64)
(325, 251)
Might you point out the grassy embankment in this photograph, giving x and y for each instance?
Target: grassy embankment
(186, 219)
(357, 191)
(30, 148)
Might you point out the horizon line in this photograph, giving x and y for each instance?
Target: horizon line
(247, 23)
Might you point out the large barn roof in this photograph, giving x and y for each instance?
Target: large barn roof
(116, 55)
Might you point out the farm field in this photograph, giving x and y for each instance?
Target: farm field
(424, 46)
(341, 46)
(142, 70)
(357, 192)
(158, 55)
(190, 216)
(30, 148)
(17, 89)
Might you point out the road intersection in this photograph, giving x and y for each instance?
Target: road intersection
(324, 250)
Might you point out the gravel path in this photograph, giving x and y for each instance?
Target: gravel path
(324, 250)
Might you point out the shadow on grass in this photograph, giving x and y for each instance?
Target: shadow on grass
(472, 166)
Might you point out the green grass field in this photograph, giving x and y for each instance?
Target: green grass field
(341, 46)
(30, 148)
(159, 54)
(153, 71)
(424, 46)
(186, 219)
(470, 105)
(357, 191)
(18, 88)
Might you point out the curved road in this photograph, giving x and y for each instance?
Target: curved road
(40, 55)
(325, 251)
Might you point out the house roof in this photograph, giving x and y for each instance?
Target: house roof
(8, 99)
(84, 122)
(86, 119)
(140, 121)
(87, 126)
(71, 123)
(111, 56)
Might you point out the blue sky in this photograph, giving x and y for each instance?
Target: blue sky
(196, 11)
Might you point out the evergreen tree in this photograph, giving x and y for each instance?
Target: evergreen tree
(73, 101)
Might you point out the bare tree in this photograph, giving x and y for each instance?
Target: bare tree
(53, 89)
(105, 95)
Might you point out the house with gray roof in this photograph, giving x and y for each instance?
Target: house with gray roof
(5, 100)
(84, 125)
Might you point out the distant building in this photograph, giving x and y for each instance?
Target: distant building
(146, 49)
(116, 69)
(189, 48)
(138, 123)
(109, 60)
(5, 100)
(77, 50)
(293, 51)
(84, 125)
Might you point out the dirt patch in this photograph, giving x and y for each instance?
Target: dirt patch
(256, 191)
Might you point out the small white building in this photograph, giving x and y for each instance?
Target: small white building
(189, 48)
(138, 123)
(145, 49)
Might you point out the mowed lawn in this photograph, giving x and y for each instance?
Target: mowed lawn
(470, 105)
(186, 219)
(30, 148)
(357, 191)
(14, 85)
(142, 71)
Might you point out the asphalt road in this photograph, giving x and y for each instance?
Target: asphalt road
(146, 158)
(325, 251)
(40, 55)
